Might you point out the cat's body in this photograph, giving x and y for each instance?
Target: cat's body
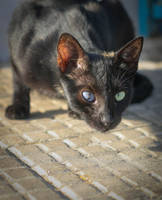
(41, 59)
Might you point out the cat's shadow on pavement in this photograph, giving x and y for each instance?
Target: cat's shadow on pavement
(151, 105)
(47, 114)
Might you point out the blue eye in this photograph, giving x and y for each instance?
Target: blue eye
(88, 96)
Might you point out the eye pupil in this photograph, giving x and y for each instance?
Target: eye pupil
(88, 96)
(120, 96)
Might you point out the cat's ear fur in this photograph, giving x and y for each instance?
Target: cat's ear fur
(131, 51)
(129, 55)
(70, 54)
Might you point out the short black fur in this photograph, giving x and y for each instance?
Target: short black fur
(67, 44)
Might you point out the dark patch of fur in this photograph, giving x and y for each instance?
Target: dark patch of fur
(143, 88)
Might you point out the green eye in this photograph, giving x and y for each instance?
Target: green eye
(120, 96)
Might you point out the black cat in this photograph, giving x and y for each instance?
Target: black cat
(96, 74)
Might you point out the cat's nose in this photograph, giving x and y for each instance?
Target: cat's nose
(106, 119)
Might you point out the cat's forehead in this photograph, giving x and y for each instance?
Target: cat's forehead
(102, 69)
(108, 73)
(100, 62)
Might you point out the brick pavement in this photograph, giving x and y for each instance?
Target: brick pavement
(52, 157)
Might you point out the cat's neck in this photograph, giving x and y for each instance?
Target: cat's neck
(90, 42)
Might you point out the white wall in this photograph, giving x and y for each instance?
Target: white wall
(6, 9)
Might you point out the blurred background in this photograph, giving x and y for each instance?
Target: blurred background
(145, 14)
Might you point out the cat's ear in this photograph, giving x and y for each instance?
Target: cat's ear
(70, 54)
(130, 53)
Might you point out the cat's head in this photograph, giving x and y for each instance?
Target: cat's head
(98, 87)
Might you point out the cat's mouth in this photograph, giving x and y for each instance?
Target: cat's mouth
(101, 127)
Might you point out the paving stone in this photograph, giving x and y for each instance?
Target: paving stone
(5, 188)
(18, 172)
(2, 152)
(26, 127)
(9, 162)
(32, 183)
(52, 156)
(11, 197)
(89, 191)
(5, 131)
(12, 139)
(47, 194)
